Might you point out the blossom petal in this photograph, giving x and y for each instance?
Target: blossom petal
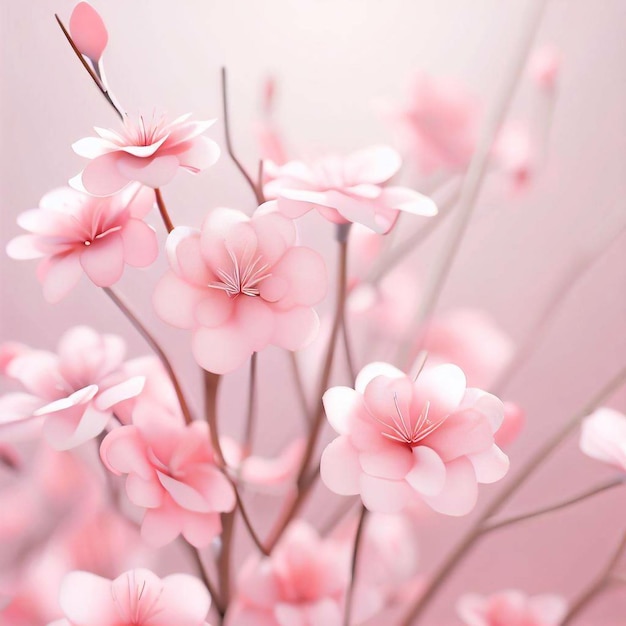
(295, 329)
(86, 599)
(460, 492)
(153, 172)
(384, 496)
(220, 350)
(103, 260)
(428, 475)
(340, 404)
(102, 176)
(59, 275)
(392, 462)
(88, 31)
(339, 467)
(175, 300)
(140, 243)
(491, 465)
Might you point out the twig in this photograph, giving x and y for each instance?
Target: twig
(355, 558)
(473, 179)
(295, 370)
(258, 194)
(615, 482)
(96, 79)
(163, 211)
(476, 531)
(153, 343)
(251, 414)
(597, 586)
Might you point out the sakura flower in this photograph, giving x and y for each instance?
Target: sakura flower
(348, 189)
(301, 584)
(603, 437)
(171, 472)
(514, 153)
(88, 31)
(73, 233)
(240, 284)
(402, 440)
(70, 395)
(511, 608)
(512, 425)
(544, 67)
(440, 123)
(136, 598)
(149, 151)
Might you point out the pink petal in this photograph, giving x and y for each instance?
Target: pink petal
(200, 529)
(93, 147)
(491, 465)
(443, 387)
(255, 320)
(384, 496)
(295, 329)
(214, 309)
(409, 201)
(393, 461)
(147, 493)
(340, 404)
(175, 301)
(86, 599)
(460, 491)
(487, 404)
(295, 202)
(24, 247)
(373, 165)
(162, 525)
(103, 260)
(88, 31)
(185, 601)
(185, 256)
(305, 272)
(59, 275)
(267, 472)
(428, 475)
(140, 243)
(202, 154)
(72, 427)
(372, 370)
(153, 172)
(220, 350)
(102, 175)
(275, 233)
(80, 397)
(184, 495)
(123, 451)
(118, 393)
(145, 151)
(339, 468)
(547, 608)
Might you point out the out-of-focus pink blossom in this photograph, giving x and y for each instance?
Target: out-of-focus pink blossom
(512, 425)
(514, 153)
(136, 598)
(88, 31)
(73, 233)
(271, 145)
(544, 66)
(149, 151)
(70, 395)
(470, 339)
(603, 437)
(301, 584)
(241, 284)
(511, 608)
(171, 472)
(348, 189)
(400, 440)
(273, 473)
(442, 119)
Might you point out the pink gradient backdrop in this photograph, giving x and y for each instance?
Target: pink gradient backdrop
(334, 59)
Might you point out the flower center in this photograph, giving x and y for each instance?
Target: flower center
(400, 428)
(135, 606)
(244, 275)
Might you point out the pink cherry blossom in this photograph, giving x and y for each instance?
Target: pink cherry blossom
(71, 395)
(149, 151)
(301, 584)
(440, 123)
(88, 31)
(402, 440)
(603, 437)
(348, 189)
(514, 153)
(512, 425)
(136, 598)
(544, 66)
(263, 473)
(471, 339)
(74, 233)
(241, 284)
(171, 472)
(511, 608)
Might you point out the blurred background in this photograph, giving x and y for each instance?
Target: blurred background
(338, 66)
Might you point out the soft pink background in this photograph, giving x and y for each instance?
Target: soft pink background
(334, 59)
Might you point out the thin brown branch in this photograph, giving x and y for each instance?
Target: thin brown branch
(353, 570)
(251, 413)
(165, 216)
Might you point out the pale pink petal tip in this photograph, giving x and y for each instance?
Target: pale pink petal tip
(88, 31)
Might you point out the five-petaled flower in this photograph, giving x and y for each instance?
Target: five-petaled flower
(149, 151)
(172, 473)
(402, 439)
(241, 284)
(136, 598)
(348, 189)
(73, 232)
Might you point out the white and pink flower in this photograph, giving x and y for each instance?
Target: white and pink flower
(172, 473)
(149, 151)
(603, 437)
(348, 189)
(400, 439)
(241, 284)
(70, 396)
(136, 598)
(511, 608)
(74, 233)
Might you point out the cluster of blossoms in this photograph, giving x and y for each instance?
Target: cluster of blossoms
(409, 447)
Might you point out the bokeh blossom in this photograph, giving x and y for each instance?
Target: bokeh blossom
(603, 437)
(136, 598)
(241, 284)
(88, 32)
(302, 584)
(71, 396)
(171, 472)
(400, 439)
(348, 189)
(511, 608)
(74, 233)
(148, 150)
